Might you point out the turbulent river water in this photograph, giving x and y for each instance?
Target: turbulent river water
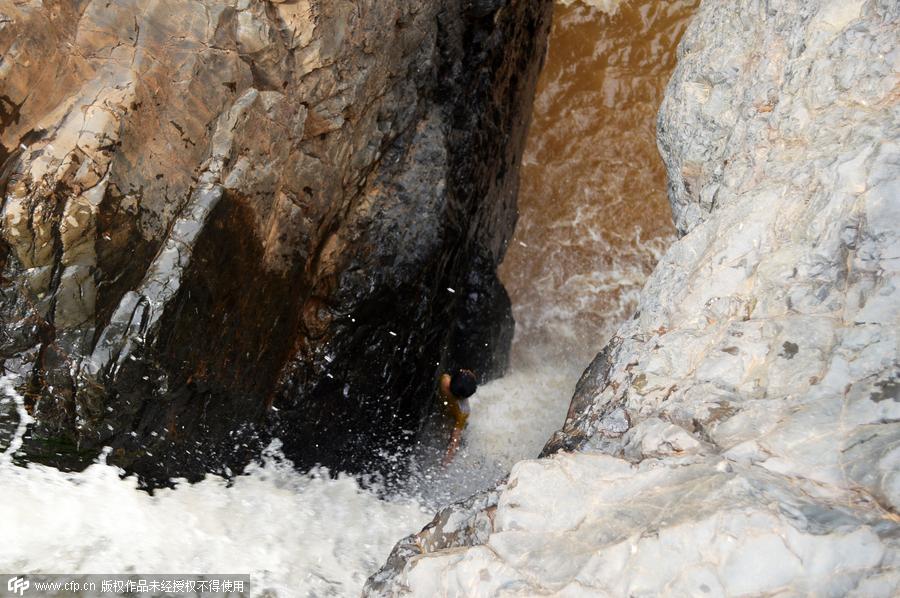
(593, 221)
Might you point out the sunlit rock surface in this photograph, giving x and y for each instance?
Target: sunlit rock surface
(223, 220)
(741, 434)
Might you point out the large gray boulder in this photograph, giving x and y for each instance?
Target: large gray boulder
(228, 221)
(741, 434)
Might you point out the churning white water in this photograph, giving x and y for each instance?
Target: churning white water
(295, 534)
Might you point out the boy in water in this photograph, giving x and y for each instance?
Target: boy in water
(455, 391)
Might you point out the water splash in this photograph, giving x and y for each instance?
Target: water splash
(295, 534)
(511, 420)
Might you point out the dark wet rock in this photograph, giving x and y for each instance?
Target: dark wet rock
(228, 221)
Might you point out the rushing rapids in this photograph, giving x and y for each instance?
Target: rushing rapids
(593, 220)
(593, 213)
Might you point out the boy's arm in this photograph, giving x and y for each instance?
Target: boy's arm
(453, 447)
(461, 414)
(444, 386)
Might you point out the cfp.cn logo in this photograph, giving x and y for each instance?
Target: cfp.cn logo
(18, 585)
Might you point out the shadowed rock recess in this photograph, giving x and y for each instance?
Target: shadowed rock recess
(740, 436)
(224, 222)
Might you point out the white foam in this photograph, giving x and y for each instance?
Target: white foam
(295, 534)
(511, 419)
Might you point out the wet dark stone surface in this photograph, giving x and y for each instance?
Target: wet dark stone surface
(266, 250)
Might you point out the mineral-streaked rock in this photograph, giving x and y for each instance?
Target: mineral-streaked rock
(741, 435)
(226, 219)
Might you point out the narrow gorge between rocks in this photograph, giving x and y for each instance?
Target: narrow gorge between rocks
(591, 226)
(665, 268)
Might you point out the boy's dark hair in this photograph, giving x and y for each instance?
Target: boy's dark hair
(463, 384)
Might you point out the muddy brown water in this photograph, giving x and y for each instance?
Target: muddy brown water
(593, 213)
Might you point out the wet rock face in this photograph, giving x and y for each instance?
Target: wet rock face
(225, 221)
(741, 434)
